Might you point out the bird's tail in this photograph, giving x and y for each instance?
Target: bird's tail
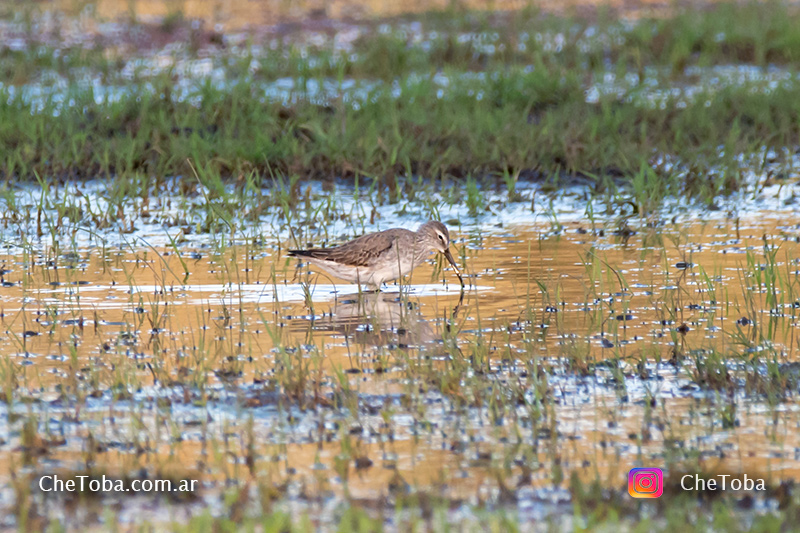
(307, 253)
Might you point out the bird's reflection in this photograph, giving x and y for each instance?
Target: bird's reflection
(378, 319)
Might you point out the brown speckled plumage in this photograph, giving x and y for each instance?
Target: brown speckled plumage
(383, 256)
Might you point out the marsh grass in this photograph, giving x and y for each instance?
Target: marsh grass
(484, 137)
(514, 105)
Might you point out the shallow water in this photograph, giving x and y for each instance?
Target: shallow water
(581, 345)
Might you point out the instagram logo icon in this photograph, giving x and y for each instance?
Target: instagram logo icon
(645, 482)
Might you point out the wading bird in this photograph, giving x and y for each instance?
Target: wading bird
(375, 258)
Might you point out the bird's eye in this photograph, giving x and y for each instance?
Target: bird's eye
(441, 238)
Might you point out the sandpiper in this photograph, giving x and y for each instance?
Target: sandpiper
(386, 255)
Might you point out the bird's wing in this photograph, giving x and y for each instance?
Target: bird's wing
(362, 251)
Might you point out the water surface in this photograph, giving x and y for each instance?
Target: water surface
(587, 346)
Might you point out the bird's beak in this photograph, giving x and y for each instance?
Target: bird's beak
(452, 262)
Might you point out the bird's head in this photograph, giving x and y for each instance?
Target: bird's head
(435, 237)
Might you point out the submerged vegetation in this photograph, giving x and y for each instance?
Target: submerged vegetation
(153, 328)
